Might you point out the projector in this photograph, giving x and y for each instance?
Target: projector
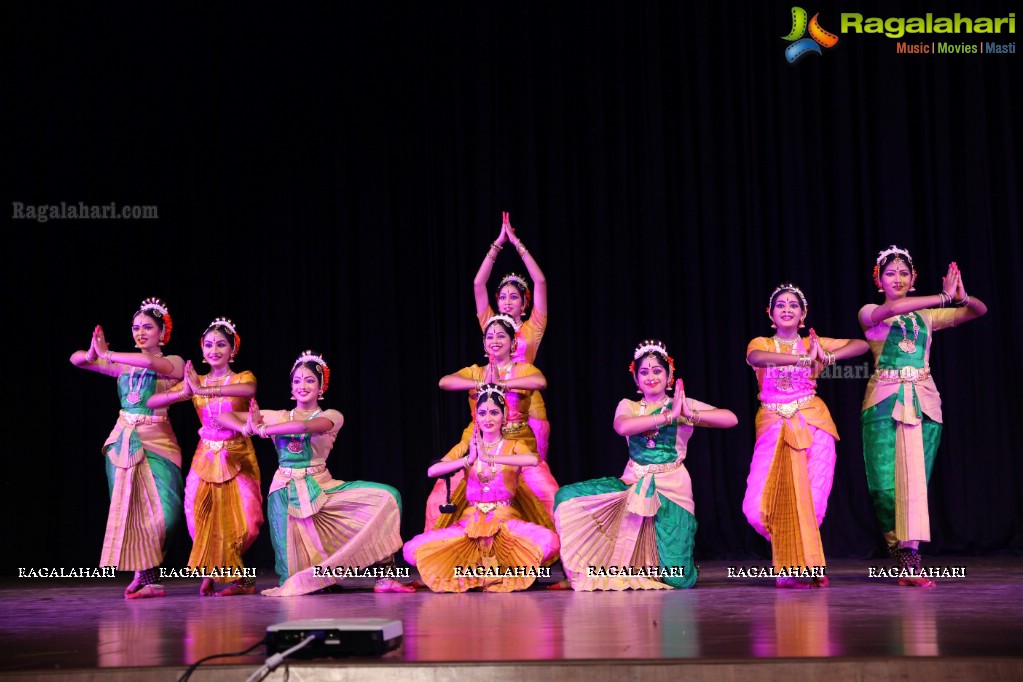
(335, 637)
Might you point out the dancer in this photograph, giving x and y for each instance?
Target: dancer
(520, 381)
(143, 459)
(901, 418)
(490, 546)
(529, 315)
(794, 458)
(319, 525)
(223, 506)
(637, 531)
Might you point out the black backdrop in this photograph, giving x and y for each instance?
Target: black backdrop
(332, 178)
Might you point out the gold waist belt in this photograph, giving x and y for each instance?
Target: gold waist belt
(301, 472)
(221, 444)
(644, 469)
(788, 409)
(909, 375)
(487, 507)
(143, 418)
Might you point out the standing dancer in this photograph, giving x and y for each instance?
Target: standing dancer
(638, 531)
(794, 458)
(529, 314)
(491, 545)
(901, 416)
(223, 506)
(319, 524)
(143, 459)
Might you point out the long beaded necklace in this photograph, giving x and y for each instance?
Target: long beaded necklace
(908, 345)
(295, 444)
(489, 449)
(134, 390)
(651, 435)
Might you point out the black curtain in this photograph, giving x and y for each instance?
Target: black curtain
(331, 179)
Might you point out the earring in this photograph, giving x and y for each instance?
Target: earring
(880, 290)
(801, 325)
(205, 361)
(231, 359)
(912, 289)
(321, 394)
(774, 326)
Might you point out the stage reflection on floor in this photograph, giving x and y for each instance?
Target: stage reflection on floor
(86, 624)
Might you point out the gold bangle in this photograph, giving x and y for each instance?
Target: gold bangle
(495, 245)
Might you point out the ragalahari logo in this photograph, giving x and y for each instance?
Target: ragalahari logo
(801, 46)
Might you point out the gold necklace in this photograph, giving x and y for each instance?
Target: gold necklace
(488, 449)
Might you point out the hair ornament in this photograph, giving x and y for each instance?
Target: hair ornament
(514, 278)
(787, 286)
(309, 356)
(891, 251)
(160, 308)
(229, 326)
(503, 318)
(487, 390)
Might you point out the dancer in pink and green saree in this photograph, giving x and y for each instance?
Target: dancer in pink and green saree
(143, 459)
(901, 418)
(320, 527)
(637, 531)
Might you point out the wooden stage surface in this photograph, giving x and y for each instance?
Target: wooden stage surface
(726, 628)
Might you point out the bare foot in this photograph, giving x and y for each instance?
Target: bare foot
(207, 589)
(821, 581)
(391, 585)
(235, 588)
(917, 581)
(147, 592)
(563, 584)
(789, 583)
(418, 584)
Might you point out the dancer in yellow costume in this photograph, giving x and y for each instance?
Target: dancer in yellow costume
(223, 502)
(794, 458)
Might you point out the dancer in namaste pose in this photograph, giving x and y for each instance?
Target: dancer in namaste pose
(901, 418)
(490, 545)
(638, 531)
(528, 311)
(223, 504)
(320, 526)
(143, 459)
(794, 458)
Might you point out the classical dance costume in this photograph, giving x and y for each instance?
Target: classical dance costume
(793, 463)
(491, 544)
(223, 504)
(901, 421)
(317, 522)
(538, 481)
(637, 531)
(143, 466)
(527, 338)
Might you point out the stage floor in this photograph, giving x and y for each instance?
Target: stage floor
(51, 625)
